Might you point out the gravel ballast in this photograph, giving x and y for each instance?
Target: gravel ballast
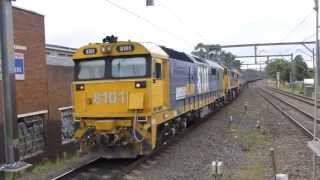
(243, 146)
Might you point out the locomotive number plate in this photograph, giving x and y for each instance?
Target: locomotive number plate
(110, 97)
(125, 48)
(90, 51)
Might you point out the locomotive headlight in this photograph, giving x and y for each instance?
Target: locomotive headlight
(80, 87)
(140, 84)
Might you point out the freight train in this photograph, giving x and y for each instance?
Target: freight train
(130, 98)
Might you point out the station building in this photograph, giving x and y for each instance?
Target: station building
(43, 90)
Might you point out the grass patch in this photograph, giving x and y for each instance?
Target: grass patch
(47, 165)
(251, 138)
(251, 172)
(285, 87)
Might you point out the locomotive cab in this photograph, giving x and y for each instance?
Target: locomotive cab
(117, 87)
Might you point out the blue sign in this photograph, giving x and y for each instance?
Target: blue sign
(19, 66)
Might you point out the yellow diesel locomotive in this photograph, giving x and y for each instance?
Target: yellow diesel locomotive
(130, 97)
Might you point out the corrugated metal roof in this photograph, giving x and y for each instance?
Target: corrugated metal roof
(60, 48)
(59, 61)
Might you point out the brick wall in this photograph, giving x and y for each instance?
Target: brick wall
(32, 93)
(59, 88)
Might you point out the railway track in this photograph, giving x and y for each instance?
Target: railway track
(107, 169)
(301, 98)
(302, 119)
(303, 104)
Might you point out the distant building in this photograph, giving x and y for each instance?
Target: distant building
(59, 55)
(60, 76)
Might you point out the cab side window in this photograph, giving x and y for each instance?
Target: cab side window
(158, 71)
(213, 71)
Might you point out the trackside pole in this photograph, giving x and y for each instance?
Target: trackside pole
(316, 64)
(8, 76)
(9, 98)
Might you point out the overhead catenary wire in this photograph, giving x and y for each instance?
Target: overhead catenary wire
(309, 37)
(300, 23)
(182, 22)
(295, 28)
(138, 16)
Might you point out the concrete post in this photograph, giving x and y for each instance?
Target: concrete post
(8, 76)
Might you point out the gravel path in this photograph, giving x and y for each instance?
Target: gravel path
(243, 148)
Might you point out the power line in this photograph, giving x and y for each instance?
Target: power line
(309, 37)
(200, 36)
(130, 12)
(301, 22)
(298, 25)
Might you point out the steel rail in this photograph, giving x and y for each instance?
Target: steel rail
(296, 122)
(295, 107)
(296, 96)
(77, 168)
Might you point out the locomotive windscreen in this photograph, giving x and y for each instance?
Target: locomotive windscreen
(93, 69)
(113, 68)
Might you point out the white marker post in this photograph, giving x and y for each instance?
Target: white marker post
(216, 169)
(282, 177)
(278, 80)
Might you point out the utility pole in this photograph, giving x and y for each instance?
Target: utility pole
(8, 78)
(291, 72)
(9, 91)
(316, 78)
(293, 68)
(255, 54)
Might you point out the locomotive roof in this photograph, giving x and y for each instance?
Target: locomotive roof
(154, 48)
(198, 60)
(176, 54)
(214, 64)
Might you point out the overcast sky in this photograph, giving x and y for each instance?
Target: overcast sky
(178, 24)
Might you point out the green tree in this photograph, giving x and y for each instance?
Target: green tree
(300, 68)
(214, 52)
(279, 65)
(311, 73)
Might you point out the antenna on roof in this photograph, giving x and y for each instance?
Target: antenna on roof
(110, 39)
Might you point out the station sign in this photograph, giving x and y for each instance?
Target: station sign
(19, 66)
